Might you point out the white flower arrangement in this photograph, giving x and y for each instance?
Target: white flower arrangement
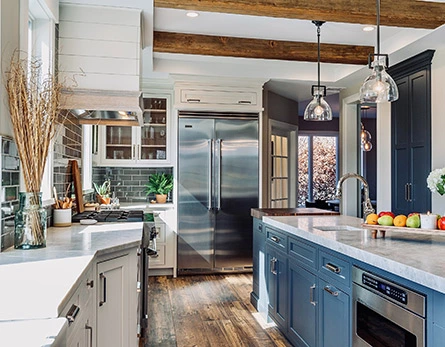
(436, 181)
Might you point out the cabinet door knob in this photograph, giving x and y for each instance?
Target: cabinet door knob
(90, 284)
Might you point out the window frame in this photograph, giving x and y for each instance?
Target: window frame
(310, 134)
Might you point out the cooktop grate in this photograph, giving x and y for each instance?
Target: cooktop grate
(111, 216)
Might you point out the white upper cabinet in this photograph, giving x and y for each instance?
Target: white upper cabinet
(100, 47)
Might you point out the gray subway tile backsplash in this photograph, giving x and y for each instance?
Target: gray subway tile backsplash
(127, 183)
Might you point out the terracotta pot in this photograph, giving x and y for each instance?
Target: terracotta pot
(161, 198)
(103, 200)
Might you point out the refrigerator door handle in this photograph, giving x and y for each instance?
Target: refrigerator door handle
(218, 174)
(210, 180)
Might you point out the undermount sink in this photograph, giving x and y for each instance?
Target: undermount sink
(336, 228)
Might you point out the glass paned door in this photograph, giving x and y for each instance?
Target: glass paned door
(279, 174)
(154, 131)
(119, 142)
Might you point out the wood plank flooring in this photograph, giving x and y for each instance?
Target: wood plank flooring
(207, 310)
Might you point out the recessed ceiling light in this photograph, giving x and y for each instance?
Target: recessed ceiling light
(192, 14)
(368, 28)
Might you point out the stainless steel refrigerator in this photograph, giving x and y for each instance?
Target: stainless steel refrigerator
(218, 185)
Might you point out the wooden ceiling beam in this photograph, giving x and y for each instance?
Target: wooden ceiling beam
(401, 13)
(167, 42)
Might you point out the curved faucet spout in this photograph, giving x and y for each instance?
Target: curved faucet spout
(367, 206)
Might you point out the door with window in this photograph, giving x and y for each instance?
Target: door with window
(283, 165)
(317, 168)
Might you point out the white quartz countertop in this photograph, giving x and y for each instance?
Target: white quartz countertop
(36, 282)
(417, 257)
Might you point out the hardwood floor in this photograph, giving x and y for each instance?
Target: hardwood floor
(207, 310)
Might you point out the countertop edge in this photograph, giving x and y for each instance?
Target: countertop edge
(408, 272)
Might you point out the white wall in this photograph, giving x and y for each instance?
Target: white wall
(438, 122)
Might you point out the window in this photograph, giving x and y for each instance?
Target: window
(317, 167)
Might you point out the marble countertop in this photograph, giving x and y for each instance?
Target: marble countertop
(49, 274)
(416, 257)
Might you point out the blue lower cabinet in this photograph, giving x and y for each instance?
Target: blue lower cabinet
(334, 306)
(276, 262)
(302, 328)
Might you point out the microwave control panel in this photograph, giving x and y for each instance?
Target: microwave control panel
(386, 289)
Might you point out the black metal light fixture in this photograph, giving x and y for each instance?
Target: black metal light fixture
(318, 109)
(379, 86)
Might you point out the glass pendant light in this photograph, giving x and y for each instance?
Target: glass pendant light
(379, 86)
(318, 109)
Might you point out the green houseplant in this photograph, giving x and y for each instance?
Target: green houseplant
(160, 185)
(103, 192)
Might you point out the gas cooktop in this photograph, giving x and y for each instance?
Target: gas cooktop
(111, 216)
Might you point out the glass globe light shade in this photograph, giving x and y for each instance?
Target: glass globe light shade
(379, 86)
(367, 146)
(365, 136)
(318, 109)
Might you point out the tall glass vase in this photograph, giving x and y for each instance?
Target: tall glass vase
(30, 222)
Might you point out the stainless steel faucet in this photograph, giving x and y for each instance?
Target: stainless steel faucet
(367, 206)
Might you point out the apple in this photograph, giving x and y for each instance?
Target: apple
(441, 223)
(413, 221)
(413, 214)
(386, 213)
(385, 220)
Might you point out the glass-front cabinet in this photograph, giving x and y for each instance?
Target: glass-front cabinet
(147, 144)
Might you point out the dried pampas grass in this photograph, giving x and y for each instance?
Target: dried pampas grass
(34, 100)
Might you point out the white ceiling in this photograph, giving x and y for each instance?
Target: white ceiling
(287, 78)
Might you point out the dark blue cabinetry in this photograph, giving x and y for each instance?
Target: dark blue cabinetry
(277, 277)
(303, 306)
(335, 316)
(307, 291)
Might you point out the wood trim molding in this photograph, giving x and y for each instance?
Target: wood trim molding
(402, 13)
(168, 42)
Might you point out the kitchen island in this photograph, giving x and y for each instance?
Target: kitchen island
(43, 285)
(309, 268)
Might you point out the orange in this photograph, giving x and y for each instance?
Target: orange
(400, 220)
(372, 219)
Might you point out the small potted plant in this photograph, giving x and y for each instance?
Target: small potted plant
(160, 185)
(103, 192)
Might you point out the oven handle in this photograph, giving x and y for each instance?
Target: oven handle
(331, 290)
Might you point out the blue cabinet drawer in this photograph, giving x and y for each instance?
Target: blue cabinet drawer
(335, 268)
(276, 238)
(302, 252)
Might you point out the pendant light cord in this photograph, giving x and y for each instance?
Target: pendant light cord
(318, 45)
(378, 27)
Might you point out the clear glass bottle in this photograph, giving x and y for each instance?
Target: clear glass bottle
(30, 222)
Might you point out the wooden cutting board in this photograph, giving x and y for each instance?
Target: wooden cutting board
(77, 186)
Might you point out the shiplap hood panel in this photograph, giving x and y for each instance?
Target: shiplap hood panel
(100, 58)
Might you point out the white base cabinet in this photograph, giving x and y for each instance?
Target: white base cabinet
(80, 314)
(165, 261)
(116, 300)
